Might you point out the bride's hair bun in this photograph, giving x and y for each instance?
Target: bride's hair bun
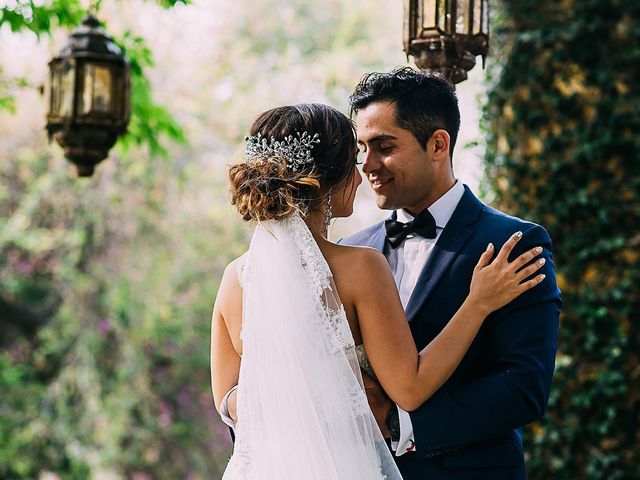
(264, 188)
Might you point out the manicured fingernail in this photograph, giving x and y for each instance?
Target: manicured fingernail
(489, 247)
(518, 234)
(538, 250)
(542, 277)
(541, 261)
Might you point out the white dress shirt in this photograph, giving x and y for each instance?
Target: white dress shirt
(407, 262)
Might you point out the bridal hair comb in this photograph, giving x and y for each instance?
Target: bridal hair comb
(295, 150)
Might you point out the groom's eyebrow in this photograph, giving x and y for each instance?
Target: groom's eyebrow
(379, 138)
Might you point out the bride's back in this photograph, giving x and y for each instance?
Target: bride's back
(348, 266)
(299, 377)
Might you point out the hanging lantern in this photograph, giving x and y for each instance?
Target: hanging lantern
(446, 35)
(89, 96)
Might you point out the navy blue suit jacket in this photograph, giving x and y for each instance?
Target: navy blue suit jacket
(469, 429)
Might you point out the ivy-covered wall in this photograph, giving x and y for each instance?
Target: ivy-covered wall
(562, 120)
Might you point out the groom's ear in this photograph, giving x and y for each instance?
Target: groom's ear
(439, 144)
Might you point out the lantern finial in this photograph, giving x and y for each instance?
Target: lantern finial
(91, 21)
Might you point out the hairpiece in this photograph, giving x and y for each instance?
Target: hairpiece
(295, 150)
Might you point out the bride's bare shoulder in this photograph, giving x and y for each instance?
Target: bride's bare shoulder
(360, 272)
(234, 266)
(230, 283)
(362, 260)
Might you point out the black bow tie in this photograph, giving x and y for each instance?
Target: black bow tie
(424, 225)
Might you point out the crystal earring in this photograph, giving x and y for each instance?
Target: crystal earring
(327, 213)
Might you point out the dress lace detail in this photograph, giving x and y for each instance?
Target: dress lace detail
(332, 317)
(311, 258)
(302, 409)
(363, 361)
(242, 271)
(337, 330)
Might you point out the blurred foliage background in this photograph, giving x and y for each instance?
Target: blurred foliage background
(107, 284)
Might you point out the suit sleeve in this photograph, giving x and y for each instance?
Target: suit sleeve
(514, 390)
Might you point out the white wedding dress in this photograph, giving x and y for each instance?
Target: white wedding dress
(302, 410)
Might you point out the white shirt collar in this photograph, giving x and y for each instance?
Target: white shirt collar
(442, 209)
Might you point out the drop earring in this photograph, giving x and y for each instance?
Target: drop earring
(327, 213)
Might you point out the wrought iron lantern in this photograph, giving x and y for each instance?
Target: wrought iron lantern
(446, 35)
(89, 96)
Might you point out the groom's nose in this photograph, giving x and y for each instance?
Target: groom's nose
(370, 162)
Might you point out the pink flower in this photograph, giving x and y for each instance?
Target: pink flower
(104, 326)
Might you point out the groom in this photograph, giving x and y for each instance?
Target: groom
(407, 124)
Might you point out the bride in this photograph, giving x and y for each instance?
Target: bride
(294, 315)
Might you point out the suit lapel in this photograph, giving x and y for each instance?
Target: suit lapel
(451, 241)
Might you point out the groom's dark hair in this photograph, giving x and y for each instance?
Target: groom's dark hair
(425, 102)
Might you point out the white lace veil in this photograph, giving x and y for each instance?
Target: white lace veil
(302, 410)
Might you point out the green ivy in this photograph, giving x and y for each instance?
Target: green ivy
(149, 122)
(562, 121)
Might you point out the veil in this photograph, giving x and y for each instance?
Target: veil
(302, 410)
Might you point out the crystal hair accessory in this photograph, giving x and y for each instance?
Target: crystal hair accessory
(295, 150)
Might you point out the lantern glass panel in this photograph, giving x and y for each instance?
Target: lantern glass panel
(428, 10)
(485, 16)
(443, 15)
(87, 90)
(96, 89)
(477, 17)
(102, 89)
(462, 17)
(67, 84)
(121, 97)
(56, 74)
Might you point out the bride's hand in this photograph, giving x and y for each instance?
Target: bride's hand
(495, 284)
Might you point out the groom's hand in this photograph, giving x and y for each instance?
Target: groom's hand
(379, 402)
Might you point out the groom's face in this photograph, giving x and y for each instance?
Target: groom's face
(398, 168)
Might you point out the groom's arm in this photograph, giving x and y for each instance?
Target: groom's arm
(515, 389)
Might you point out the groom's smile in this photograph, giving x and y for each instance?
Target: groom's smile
(378, 184)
